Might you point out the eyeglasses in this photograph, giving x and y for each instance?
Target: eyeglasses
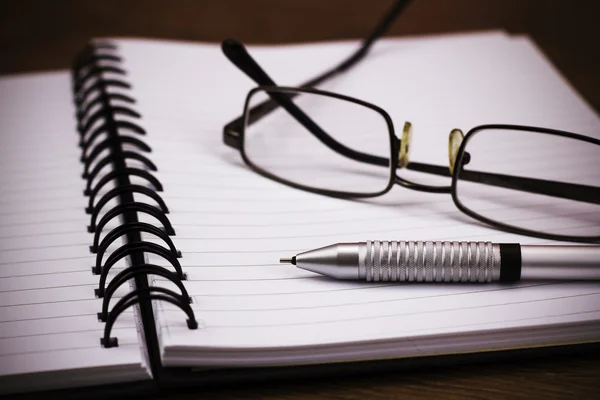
(510, 177)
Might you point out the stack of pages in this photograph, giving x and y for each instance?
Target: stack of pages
(232, 225)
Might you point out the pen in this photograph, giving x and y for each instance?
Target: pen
(445, 261)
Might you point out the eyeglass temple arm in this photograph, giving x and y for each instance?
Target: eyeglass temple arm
(231, 131)
(569, 191)
(237, 54)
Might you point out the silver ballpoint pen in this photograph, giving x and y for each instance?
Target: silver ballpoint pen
(437, 261)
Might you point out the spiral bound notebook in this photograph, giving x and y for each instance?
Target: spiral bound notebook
(135, 247)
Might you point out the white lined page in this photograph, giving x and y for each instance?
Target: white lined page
(48, 323)
(233, 225)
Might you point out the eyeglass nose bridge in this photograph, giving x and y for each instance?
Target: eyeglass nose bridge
(455, 139)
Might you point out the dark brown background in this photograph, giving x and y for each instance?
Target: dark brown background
(43, 35)
(40, 35)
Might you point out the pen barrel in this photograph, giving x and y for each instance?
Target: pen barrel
(429, 261)
(560, 262)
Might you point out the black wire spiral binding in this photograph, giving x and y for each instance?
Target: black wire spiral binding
(125, 154)
(96, 73)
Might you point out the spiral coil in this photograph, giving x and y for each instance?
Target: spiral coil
(97, 83)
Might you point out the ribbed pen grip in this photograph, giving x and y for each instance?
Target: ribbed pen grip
(418, 261)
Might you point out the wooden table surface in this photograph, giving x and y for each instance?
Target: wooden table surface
(44, 35)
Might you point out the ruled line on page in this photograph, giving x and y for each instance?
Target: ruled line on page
(517, 320)
(479, 236)
(244, 280)
(34, 235)
(197, 305)
(422, 312)
(16, 167)
(51, 221)
(286, 212)
(39, 198)
(122, 343)
(50, 287)
(113, 269)
(45, 302)
(350, 331)
(27, 189)
(35, 211)
(231, 266)
(371, 286)
(94, 315)
(99, 330)
(35, 309)
(398, 334)
(50, 246)
(46, 259)
(35, 176)
(356, 288)
(335, 234)
(328, 175)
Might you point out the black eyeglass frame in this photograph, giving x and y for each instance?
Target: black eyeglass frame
(557, 189)
(237, 54)
(393, 140)
(459, 163)
(233, 133)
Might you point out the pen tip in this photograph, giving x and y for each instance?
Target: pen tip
(288, 260)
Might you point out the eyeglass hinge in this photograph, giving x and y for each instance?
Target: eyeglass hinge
(231, 137)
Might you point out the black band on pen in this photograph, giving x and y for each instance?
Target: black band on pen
(510, 262)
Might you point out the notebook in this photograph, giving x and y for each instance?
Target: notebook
(189, 224)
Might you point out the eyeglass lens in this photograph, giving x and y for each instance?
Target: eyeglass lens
(535, 181)
(280, 145)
